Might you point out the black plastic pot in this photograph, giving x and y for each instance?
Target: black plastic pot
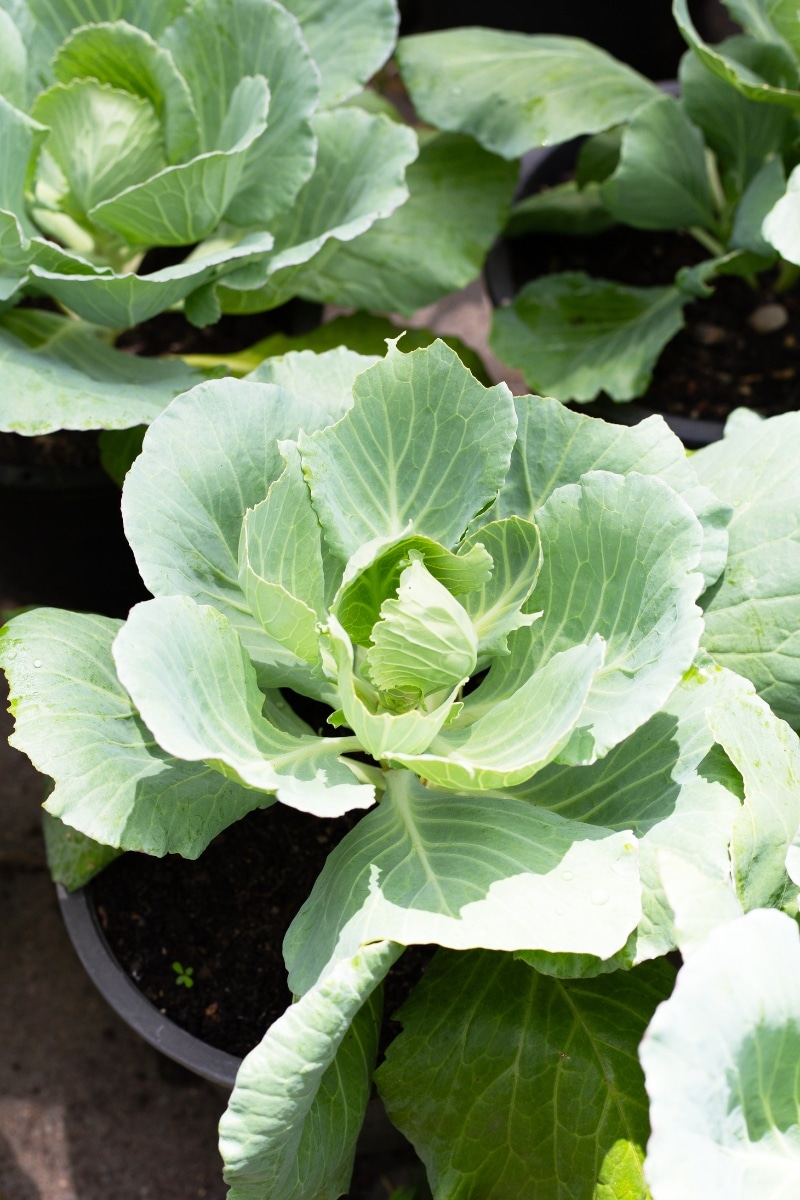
(544, 167)
(378, 1135)
(62, 542)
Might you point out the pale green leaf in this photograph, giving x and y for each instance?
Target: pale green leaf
(556, 445)
(741, 132)
(372, 575)
(359, 178)
(13, 64)
(512, 1086)
(619, 559)
(349, 41)
(424, 641)
(22, 141)
(764, 192)
(72, 379)
(294, 1114)
(780, 226)
(57, 19)
(698, 902)
(327, 377)
(129, 59)
(103, 139)
(76, 723)
(720, 1063)
(380, 730)
(769, 20)
(496, 608)
(423, 449)
(574, 336)
(745, 79)
(767, 753)
(661, 181)
(459, 196)
(209, 458)
(184, 203)
(752, 615)
(466, 871)
(73, 858)
(512, 91)
(520, 734)
(195, 687)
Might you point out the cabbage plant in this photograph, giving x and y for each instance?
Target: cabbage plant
(214, 155)
(718, 162)
(520, 619)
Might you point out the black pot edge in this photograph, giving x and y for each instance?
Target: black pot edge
(378, 1135)
(500, 286)
(115, 986)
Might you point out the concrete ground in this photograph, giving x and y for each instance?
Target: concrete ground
(87, 1110)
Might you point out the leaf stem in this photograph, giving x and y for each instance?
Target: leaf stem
(707, 240)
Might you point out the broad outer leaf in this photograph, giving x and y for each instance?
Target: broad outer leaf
(22, 141)
(752, 615)
(512, 92)
(76, 723)
(72, 379)
(194, 685)
(749, 82)
(574, 336)
(619, 559)
(661, 181)
(466, 871)
(767, 753)
(349, 41)
(720, 1061)
(13, 63)
(764, 193)
(290, 1128)
(513, 1086)
(555, 446)
(459, 196)
(424, 448)
(212, 455)
(672, 785)
(326, 378)
(72, 857)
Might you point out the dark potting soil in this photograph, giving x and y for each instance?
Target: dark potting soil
(65, 450)
(718, 362)
(225, 916)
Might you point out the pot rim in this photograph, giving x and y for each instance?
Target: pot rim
(119, 990)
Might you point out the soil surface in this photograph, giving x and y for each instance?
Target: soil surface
(718, 362)
(225, 917)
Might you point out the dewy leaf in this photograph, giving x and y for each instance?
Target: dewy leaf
(661, 181)
(72, 379)
(512, 91)
(349, 41)
(752, 616)
(619, 559)
(555, 446)
(212, 455)
(720, 1063)
(359, 178)
(328, 377)
(372, 575)
(496, 609)
(466, 871)
(128, 58)
(424, 640)
(459, 196)
(184, 203)
(294, 1114)
(423, 449)
(741, 76)
(513, 1085)
(671, 785)
(574, 336)
(767, 753)
(280, 562)
(104, 139)
(741, 132)
(72, 858)
(190, 677)
(520, 734)
(76, 723)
